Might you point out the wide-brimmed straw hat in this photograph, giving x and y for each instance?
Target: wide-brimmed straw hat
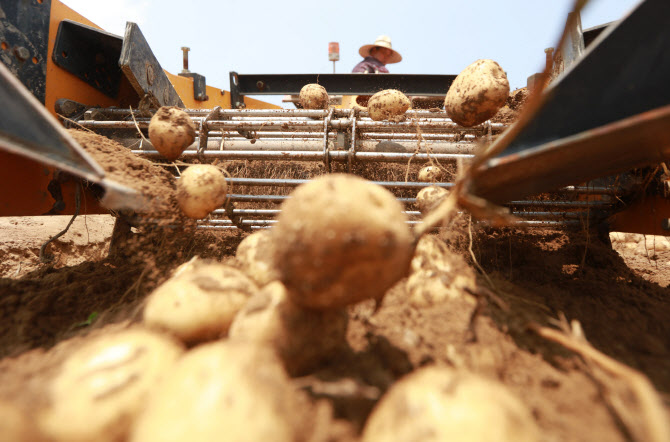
(383, 41)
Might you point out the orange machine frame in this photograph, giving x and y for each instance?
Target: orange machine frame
(24, 181)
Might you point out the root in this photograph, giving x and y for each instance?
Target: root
(653, 414)
(474, 258)
(138, 128)
(135, 286)
(441, 215)
(46, 258)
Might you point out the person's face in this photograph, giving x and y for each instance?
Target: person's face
(382, 54)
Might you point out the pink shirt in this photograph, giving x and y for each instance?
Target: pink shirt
(370, 65)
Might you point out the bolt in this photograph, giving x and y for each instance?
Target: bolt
(549, 58)
(21, 53)
(151, 76)
(185, 51)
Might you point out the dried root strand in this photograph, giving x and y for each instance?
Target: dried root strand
(653, 413)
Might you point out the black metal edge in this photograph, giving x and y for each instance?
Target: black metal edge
(143, 70)
(600, 88)
(90, 54)
(338, 84)
(199, 85)
(236, 95)
(24, 31)
(592, 33)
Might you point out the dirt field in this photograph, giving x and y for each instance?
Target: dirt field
(620, 297)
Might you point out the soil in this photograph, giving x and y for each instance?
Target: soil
(618, 291)
(513, 105)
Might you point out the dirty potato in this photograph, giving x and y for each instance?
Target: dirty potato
(171, 131)
(16, 425)
(442, 404)
(313, 96)
(255, 255)
(104, 384)
(430, 174)
(438, 275)
(340, 239)
(477, 93)
(201, 189)
(389, 104)
(429, 198)
(200, 302)
(302, 338)
(221, 391)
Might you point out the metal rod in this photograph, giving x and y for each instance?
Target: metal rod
(224, 223)
(315, 124)
(296, 182)
(342, 156)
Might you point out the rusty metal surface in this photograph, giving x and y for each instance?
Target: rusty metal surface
(141, 67)
(24, 33)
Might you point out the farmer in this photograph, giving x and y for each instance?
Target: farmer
(376, 56)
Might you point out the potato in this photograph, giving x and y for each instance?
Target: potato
(438, 275)
(431, 174)
(389, 104)
(340, 239)
(313, 96)
(171, 131)
(221, 391)
(302, 338)
(431, 253)
(477, 93)
(200, 302)
(104, 384)
(201, 189)
(430, 197)
(16, 425)
(441, 404)
(255, 255)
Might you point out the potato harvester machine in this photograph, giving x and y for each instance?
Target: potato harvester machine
(110, 84)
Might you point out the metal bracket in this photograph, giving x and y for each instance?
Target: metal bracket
(326, 150)
(70, 109)
(89, 54)
(236, 96)
(199, 85)
(142, 69)
(204, 128)
(351, 157)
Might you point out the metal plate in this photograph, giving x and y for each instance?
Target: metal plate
(142, 69)
(90, 54)
(337, 84)
(622, 75)
(27, 129)
(24, 33)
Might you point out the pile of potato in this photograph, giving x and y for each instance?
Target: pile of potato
(219, 343)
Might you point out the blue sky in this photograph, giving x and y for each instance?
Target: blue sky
(291, 36)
